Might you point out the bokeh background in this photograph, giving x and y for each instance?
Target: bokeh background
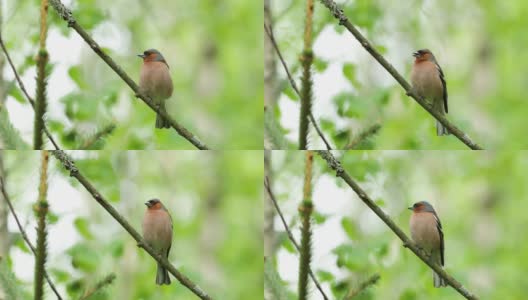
(215, 199)
(479, 45)
(479, 197)
(215, 59)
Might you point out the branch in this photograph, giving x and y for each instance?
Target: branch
(98, 136)
(269, 32)
(24, 235)
(42, 60)
(69, 165)
(335, 165)
(41, 210)
(370, 131)
(306, 79)
(343, 20)
(67, 16)
(305, 210)
(100, 285)
(365, 284)
(290, 235)
(21, 84)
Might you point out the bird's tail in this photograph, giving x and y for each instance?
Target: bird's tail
(162, 276)
(438, 281)
(160, 121)
(441, 129)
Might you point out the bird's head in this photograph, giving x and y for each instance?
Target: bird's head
(154, 204)
(423, 55)
(422, 206)
(152, 55)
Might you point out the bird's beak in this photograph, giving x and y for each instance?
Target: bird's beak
(411, 208)
(141, 55)
(147, 204)
(416, 54)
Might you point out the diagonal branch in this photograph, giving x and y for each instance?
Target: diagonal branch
(67, 16)
(343, 20)
(21, 84)
(290, 235)
(69, 165)
(24, 235)
(364, 135)
(269, 32)
(362, 286)
(335, 165)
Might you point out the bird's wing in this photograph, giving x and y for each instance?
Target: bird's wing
(441, 233)
(444, 86)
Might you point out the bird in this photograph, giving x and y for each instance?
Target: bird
(157, 232)
(426, 232)
(428, 82)
(156, 82)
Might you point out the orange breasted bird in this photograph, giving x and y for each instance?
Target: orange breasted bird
(428, 81)
(155, 81)
(157, 232)
(426, 232)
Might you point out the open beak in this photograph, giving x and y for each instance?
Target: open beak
(141, 55)
(416, 54)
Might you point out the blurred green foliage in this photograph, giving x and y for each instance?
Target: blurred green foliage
(477, 195)
(212, 48)
(215, 199)
(479, 45)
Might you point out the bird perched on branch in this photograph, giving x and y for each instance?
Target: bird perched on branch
(428, 81)
(155, 81)
(157, 232)
(426, 232)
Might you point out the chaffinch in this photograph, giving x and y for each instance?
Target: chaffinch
(157, 232)
(428, 81)
(155, 81)
(426, 231)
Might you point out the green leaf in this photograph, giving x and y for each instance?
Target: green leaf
(290, 93)
(82, 226)
(62, 276)
(117, 248)
(350, 228)
(17, 94)
(349, 70)
(319, 218)
(52, 218)
(84, 258)
(21, 244)
(320, 65)
(325, 276)
(75, 73)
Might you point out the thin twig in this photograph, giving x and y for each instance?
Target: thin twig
(269, 32)
(363, 285)
(69, 165)
(343, 20)
(24, 235)
(290, 235)
(67, 16)
(335, 165)
(21, 84)
(370, 131)
(100, 285)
